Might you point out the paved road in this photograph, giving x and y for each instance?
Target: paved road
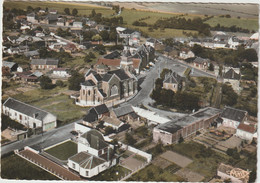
(49, 138)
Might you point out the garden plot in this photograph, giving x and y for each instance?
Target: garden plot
(161, 162)
(132, 161)
(190, 176)
(176, 158)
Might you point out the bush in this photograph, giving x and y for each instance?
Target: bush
(129, 139)
(45, 82)
(59, 83)
(8, 122)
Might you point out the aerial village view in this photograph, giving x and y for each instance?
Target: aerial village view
(116, 91)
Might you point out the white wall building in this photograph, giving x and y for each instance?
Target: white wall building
(246, 131)
(233, 117)
(28, 115)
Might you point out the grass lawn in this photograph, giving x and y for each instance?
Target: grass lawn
(166, 33)
(246, 23)
(110, 174)
(53, 101)
(154, 173)
(14, 167)
(63, 151)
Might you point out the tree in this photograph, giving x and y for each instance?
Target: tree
(96, 37)
(45, 82)
(93, 13)
(197, 50)
(105, 35)
(113, 36)
(129, 139)
(60, 83)
(74, 12)
(109, 130)
(67, 11)
(88, 58)
(211, 67)
(91, 55)
(75, 80)
(180, 140)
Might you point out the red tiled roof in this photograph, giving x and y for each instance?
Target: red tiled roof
(116, 62)
(247, 128)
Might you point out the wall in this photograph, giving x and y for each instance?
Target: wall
(137, 151)
(81, 128)
(244, 135)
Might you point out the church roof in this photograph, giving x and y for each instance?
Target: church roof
(88, 83)
(120, 73)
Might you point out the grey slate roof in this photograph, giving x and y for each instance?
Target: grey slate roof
(88, 83)
(86, 160)
(233, 114)
(200, 60)
(113, 55)
(90, 117)
(120, 73)
(95, 139)
(175, 125)
(101, 109)
(8, 64)
(121, 111)
(47, 61)
(31, 53)
(25, 108)
(231, 74)
(173, 78)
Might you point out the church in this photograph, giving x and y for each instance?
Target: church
(110, 87)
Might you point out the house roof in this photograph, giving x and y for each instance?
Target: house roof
(88, 83)
(113, 55)
(233, 114)
(86, 160)
(101, 109)
(121, 111)
(90, 117)
(172, 78)
(8, 64)
(175, 125)
(112, 121)
(247, 128)
(31, 53)
(26, 108)
(200, 60)
(47, 61)
(95, 139)
(231, 74)
(120, 73)
(109, 62)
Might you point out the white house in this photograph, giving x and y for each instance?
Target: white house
(61, 72)
(39, 34)
(233, 42)
(94, 155)
(77, 24)
(28, 115)
(233, 117)
(186, 54)
(246, 131)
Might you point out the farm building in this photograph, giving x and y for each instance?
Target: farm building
(233, 117)
(28, 115)
(171, 132)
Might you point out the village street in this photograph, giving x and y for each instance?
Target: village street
(41, 141)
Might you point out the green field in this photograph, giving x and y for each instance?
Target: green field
(54, 102)
(246, 23)
(83, 9)
(14, 167)
(155, 173)
(63, 151)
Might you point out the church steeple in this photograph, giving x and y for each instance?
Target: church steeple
(126, 62)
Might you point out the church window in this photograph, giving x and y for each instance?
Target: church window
(114, 90)
(89, 92)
